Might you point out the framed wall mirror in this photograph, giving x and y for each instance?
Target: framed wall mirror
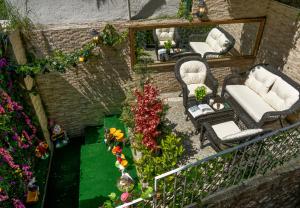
(163, 43)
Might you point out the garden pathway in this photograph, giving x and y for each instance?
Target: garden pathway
(186, 129)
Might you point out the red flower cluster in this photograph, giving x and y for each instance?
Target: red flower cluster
(147, 115)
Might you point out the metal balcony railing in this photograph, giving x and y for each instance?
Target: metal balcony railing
(193, 182)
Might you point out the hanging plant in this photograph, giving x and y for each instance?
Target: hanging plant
(185, 9)
(111, 37)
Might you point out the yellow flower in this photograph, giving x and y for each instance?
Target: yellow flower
(124, 163)
(112, 130)
(123, 156)
(119, 136)
(117, 132)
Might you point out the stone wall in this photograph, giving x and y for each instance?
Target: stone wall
(83, 95)
(244, 35)
(279, 188)
(280, 45)
(229, 9)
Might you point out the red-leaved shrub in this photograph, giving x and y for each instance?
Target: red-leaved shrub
(147, 113)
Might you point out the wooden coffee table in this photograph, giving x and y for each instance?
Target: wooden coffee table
(218, 116)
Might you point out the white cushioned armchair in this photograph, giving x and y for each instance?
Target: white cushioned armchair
(193, 72)
(264, 94)
(162, 35)
(218, 42)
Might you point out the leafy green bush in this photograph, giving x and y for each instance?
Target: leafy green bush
(151, 165)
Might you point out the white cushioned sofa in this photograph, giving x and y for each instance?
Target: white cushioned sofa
(264, 93)
(193, 72)
(217, 42)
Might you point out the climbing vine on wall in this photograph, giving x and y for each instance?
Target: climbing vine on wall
(59, 61)
(185, 9)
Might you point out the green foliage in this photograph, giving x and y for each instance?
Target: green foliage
(151, 165)
(111, 202)
(127, 115)
(168, 45)
(28, 70)
(17, 21)
(200, 93)
(111, 37)
(185, 9)
(59, 61)
(146, 194)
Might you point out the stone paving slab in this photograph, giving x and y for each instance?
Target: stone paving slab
(186, 129)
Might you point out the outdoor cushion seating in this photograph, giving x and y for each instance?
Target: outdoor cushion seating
(193, 72)
(229, 133)
(265, 94)
(217, 42)
(162, 35)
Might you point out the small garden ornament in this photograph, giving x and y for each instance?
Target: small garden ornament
(58, 135)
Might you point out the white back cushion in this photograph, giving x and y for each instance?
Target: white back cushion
(282, 95)
(193, 72)
(260, 80)
(244, 133)
(164, 34)
(217, 40)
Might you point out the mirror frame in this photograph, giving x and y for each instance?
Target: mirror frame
(138, 26)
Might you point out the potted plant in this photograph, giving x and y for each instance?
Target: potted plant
(168, 46)
(200, 93)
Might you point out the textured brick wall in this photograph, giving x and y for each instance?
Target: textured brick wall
(244, 35)
(228, 9)
(84, 94)
(281, 44)
(280, 188)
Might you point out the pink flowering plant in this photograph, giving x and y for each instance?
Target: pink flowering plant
(18, 138)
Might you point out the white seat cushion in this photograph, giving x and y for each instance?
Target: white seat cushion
(244, 133)
(193, 72)
(249, 100)
(192, 88)
(282, 95)
(165, 34)
(217, 40)
(222, 130)
(201, 47)
(260, 80)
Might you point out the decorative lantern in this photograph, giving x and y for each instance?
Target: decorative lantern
(95, 35)
(201, 9)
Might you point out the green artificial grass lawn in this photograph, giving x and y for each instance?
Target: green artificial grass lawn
(98, 174)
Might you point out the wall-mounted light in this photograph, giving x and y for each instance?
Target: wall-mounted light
(201, 9)
(95, 35)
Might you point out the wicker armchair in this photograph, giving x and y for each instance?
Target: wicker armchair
(212, 45)
(162, 35)
(281, 96)
(193, 72)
